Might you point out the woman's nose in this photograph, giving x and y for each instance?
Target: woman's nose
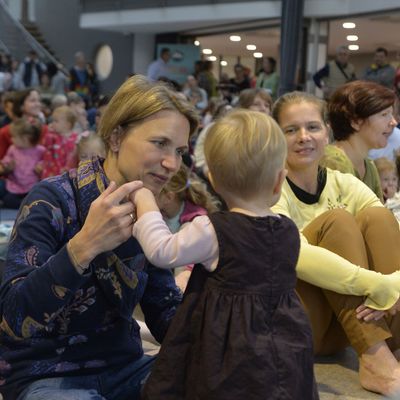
(303, 134)
(171, 162)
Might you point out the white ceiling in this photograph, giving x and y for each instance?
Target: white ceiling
(373, 31)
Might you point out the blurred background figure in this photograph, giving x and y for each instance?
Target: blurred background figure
(380, 71)
(268, 78)
(195, 94)
(159, 68)
(335, 73)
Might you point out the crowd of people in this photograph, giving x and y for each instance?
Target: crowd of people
(253, 230)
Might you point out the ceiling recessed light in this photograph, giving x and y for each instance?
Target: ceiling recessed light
(207, 51)
(257, 54)
(251, 47)
(212, 58)
(352, 38)
(353, 47)
(349, 25)
(224, 63)
(235, 38)
(196, 43)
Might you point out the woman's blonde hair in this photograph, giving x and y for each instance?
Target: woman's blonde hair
(137, 99)
(244, 151)
(187, 186)
(297, 98)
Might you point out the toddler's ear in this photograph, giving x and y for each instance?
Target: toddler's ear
(280, 178)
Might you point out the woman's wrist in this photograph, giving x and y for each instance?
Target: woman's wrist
(78, 256)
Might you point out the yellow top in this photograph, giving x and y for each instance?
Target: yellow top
(326, 269)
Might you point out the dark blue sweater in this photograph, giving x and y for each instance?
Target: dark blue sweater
(56, 322)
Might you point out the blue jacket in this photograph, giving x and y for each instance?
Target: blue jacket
(56, 322)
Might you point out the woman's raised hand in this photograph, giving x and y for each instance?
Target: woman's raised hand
(108, 223)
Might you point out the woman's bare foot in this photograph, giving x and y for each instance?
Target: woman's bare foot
(379, 370)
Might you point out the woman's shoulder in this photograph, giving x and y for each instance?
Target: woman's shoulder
(336, 159)
(54, 189)
(344, 181)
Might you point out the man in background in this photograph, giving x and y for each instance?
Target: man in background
(335, 73)
(159, 68)
(381, 71)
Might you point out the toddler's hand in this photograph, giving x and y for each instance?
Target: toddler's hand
(141, 194)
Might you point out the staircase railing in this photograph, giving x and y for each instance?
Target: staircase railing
(16, 40)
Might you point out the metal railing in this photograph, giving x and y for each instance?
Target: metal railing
(112, 5)
(16, 40)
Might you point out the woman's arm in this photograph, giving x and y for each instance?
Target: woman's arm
(41, 275)
(327, 270)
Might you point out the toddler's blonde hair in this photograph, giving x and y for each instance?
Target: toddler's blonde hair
(67, 113)
(244, 151)
(383, 164)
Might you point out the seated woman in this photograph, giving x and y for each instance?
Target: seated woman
(342, 224)
(73, 272)
(361, 117)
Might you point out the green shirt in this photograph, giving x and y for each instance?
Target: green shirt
(336, 158)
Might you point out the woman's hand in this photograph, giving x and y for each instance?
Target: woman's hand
(368, 314)
(108, 223)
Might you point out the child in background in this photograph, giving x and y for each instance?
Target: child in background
(388, 176)
(60, 144)
(90, 145)
(240, 331)
(182, 199)
(19, 163)
(387, 171)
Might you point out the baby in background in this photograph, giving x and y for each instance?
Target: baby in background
(18, 166)
(90, 145)
(60, 143)
(390, 184)
(182, 199)
(241, 330)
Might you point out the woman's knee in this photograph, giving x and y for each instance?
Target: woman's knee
(377, 216)
(336, 223)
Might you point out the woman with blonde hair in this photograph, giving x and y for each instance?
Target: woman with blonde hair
(349, 242)
(74, 274)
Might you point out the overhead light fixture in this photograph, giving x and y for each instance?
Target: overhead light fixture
(257, 54)
(235, 38)
(353, 47)
(196, 43)
(212, 58)
(352, 38)
(251, 47)
(207, 51)
(224, 63)
(349, 25)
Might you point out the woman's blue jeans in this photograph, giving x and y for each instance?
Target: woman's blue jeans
(115, 384)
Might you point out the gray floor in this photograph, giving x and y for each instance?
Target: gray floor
(337, 377)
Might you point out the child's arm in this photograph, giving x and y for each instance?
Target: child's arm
(8, 162)
(195, 243)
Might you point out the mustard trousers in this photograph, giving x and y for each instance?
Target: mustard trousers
(371, 239)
